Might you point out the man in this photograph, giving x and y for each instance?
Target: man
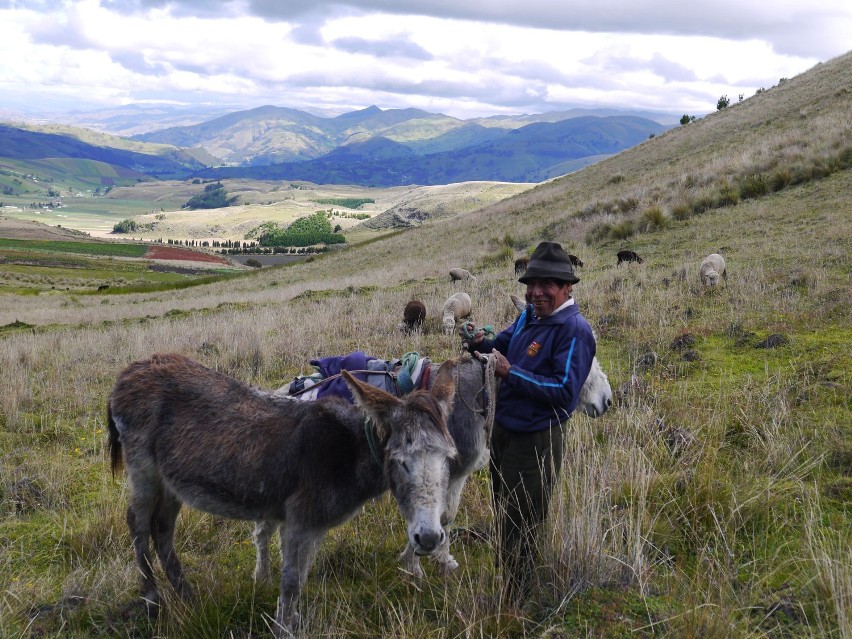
(543, 359)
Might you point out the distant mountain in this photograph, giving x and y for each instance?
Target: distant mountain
(270, 134)
(133, 119)
(557, 116)
(520, 155)
(369, 146)
(467, 135)
(19, 143)
(273, 135)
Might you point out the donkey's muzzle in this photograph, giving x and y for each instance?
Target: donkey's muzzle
(428, 542)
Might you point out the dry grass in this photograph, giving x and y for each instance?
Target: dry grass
(711, 502)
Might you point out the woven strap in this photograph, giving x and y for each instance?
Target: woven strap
(403, 377)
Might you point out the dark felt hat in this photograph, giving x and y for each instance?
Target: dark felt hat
(549, 261)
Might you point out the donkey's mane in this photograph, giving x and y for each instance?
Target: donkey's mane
(423, 401)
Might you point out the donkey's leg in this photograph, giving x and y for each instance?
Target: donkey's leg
(263, 530)
(298, 550)
(142, 501)
(442, 555)
(163, 532)
(411, 562)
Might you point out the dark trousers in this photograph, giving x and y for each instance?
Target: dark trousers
(524, 470)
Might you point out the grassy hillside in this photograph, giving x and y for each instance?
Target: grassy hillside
(712, 501)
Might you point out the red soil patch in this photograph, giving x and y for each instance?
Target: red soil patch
(175, 253)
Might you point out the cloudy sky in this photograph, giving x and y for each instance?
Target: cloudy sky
(465, 58)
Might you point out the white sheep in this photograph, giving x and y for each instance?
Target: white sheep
(712, 267)
(455, 308)
(461, 275)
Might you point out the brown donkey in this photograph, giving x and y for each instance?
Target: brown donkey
(188, 434)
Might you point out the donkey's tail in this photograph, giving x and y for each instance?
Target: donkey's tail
(114, 443)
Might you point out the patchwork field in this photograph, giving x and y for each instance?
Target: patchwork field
(36, 259)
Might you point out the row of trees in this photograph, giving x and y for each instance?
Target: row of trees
(275, 250)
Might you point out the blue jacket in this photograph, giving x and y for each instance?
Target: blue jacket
(551, 358)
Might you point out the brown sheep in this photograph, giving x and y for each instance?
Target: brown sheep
(414, 314)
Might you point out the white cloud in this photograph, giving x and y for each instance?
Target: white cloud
(461, 58)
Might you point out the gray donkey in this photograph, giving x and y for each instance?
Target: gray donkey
(188, 434)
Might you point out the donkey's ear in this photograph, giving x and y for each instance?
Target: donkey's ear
(519, 303)
(375, 402)
(444, 387)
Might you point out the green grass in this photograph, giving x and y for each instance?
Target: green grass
(85, 248)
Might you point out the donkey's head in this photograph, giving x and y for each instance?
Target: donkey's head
(418, 450)
(596, 394)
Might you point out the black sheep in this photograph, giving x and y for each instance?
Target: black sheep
(628, 256)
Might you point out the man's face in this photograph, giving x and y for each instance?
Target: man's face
(547, 295)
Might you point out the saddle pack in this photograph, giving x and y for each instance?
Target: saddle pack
(395, 376)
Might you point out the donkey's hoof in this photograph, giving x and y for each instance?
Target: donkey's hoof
(413, 570)
(152, 604)
(285, 626)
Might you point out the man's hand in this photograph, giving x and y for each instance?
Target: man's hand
(501, 365)
(465, 329)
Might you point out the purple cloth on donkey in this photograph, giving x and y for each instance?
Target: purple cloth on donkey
(328, 366)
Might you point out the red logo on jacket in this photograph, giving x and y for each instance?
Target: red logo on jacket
(533, 349)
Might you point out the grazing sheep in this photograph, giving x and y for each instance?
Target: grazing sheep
(712, 267)
(455, 308)
(627, 256)
(413, 315)
(521, 265)
(575, 261)
(461, 275)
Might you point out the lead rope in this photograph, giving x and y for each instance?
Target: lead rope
(489, 385)
(489, 391)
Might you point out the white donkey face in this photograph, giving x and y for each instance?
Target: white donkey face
(419, 474)
(596, 394)
(418, 451)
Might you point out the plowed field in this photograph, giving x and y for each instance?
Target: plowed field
(159, 252)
